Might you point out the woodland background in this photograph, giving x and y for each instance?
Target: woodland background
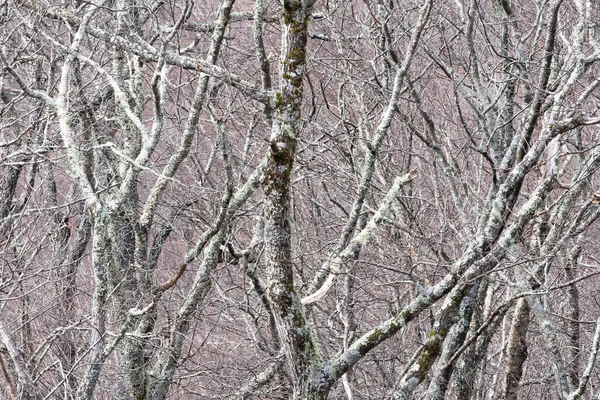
(300, 199)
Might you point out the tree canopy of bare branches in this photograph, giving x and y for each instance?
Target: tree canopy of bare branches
(299, 199)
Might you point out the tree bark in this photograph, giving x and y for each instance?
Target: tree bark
(297, 341)
(516, 350)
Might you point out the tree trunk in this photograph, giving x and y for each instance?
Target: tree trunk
(297, 340)
(442, 373)
(516, 350)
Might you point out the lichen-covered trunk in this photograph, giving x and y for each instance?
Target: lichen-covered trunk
(516, 349)
(573, 323)
(295, 334)
(456, 336)
(432, 348)
(101, 258)
(465, 373)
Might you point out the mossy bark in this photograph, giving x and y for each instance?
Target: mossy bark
(456, 337)
(445, 319)
(297, 340)
(516, 349)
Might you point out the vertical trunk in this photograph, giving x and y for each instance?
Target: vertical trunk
(296, 337)
(516, 350)
(135, 290)
(101, 259)
(350, 326)
(552, 347)
(9, 174)
(465, 376)
(573, 324)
